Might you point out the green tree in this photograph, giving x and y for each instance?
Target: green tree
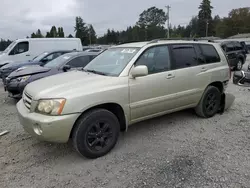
(239, 20)
(81, 30)
(53, 32)
(152, 17)
(39, 34)
(33, 35)
(92, 34)
(205, 18)
(48, 35)
(60, 32)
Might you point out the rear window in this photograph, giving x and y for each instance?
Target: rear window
(210, 54)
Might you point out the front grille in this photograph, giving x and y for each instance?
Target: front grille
(27, 100)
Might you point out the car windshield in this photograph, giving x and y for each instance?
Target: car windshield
(59, 61)
(9, 47)
(112, 61)
(41, 56)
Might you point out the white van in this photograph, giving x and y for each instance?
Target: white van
(27, 49)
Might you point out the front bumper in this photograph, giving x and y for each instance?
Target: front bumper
(53, 128)
(14, 88)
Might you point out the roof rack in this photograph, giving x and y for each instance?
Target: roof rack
(187, 39)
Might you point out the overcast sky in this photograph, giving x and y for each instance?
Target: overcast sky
(20, 19)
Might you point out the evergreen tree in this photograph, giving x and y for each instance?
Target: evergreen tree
(53, 32)
(81, 30)
(92, 34)
(205, 18)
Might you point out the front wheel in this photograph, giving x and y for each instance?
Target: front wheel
(210, 103)
(96, 133)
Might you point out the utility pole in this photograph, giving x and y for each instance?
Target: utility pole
(90, 35)
(168, 10)
(207, 23)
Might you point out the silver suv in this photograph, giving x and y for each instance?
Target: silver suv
(124, 85)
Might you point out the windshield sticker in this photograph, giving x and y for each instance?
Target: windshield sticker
(129, 51)
(66, 57)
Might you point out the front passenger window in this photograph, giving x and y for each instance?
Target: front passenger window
(157, 59)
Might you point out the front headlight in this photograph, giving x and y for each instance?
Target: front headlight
(23, 78)
(50, 106)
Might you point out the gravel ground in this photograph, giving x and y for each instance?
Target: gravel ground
(176, 150)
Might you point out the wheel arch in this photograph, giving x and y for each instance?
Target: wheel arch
(115, 108)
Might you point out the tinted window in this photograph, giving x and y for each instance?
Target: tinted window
(238, 46)
(21, 47)
(209, 53)
(157, 59)
(184, 56)
(229, 47)
(79, 61)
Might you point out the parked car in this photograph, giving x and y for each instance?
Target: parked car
(94, 50)
(235, 53)
(125, 84)
(17, 80)
(41, 60)
(244, 45)
(27, 49)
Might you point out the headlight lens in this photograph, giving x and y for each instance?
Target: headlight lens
(23, 78)
(50, 106)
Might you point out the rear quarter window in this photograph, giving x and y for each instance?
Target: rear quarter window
(210, 54)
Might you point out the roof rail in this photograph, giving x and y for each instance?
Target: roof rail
(187, 39)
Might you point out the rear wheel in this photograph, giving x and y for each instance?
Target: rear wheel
(96, 133)
(210, 102)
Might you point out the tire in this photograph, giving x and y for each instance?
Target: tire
(95, 133)
(210, 102)
(239, 65)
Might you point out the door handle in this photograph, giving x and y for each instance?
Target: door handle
(170, 76)
(27, 55)
(203, 69)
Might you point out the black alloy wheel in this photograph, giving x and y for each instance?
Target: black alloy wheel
(95, 133)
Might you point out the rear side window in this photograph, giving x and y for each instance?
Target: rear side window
(81, 61)
(184, 56)
(210, 54)
(238, 46)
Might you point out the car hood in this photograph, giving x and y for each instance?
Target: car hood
(18, 64)
(29, 70)
(70, 85)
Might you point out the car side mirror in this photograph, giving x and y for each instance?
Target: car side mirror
(66, 68)
(139, 71)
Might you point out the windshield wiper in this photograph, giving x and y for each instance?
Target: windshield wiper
(95, 72)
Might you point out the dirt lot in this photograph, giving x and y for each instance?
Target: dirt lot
(177, 150)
